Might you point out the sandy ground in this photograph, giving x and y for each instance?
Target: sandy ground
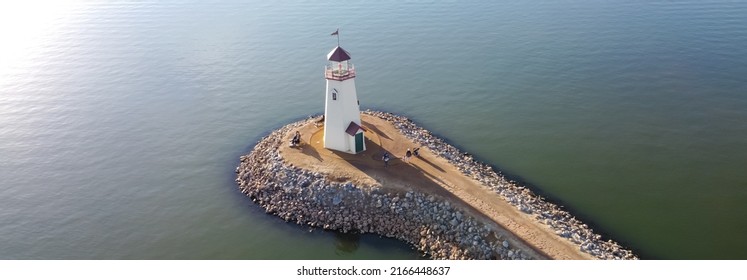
(428, 174)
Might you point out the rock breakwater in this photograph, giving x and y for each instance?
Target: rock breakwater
(564, 224)
(430, 223)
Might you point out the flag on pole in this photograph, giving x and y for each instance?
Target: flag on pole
(337, 32)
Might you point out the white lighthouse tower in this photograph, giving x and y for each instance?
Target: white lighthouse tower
(342, 115)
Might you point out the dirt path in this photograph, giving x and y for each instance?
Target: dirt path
(428, 174)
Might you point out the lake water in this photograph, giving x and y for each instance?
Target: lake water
(121, 122)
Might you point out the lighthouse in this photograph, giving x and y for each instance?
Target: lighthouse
(342, 115)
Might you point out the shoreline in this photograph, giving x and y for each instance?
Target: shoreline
(436, 222)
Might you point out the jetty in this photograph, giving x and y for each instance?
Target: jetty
(381, 173)
(443, 202)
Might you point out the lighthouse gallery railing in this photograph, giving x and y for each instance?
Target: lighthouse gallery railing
(338, 73)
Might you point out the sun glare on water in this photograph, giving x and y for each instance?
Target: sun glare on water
(27, 24)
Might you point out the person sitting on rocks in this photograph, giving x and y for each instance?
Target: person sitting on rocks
(296, 141)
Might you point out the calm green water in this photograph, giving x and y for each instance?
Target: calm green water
(121, 122)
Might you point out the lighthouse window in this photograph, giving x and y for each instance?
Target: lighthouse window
(334, 96)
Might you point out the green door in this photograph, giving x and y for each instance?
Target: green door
(359, 142)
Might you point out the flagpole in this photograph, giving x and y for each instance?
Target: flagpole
(337, 33)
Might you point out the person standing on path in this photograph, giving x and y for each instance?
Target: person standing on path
(408, 154)
(385, 158)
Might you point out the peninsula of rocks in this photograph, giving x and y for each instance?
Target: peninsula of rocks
(443, 202)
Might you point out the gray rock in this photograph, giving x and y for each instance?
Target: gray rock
(336, 200)
(454, 222)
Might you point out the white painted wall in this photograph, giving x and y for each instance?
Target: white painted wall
(338, 115)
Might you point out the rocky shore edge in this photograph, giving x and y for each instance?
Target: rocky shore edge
(428, 222)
